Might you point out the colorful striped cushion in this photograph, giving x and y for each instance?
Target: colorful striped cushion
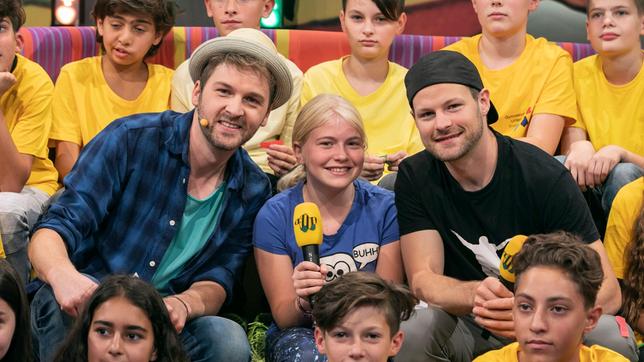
(53, 47)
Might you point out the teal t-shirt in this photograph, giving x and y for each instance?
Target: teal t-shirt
(197, 224)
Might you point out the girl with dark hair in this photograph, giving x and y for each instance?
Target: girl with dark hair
(125, 319)
(15, 336)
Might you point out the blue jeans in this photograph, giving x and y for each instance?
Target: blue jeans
(204, 339)
(619, 176)
(291, 345)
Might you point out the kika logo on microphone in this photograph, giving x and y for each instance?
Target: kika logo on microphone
(506, 262)
(306, 222)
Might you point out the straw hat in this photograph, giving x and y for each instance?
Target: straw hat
(250, 42)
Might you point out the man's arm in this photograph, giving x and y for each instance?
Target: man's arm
(610, 295)
(424, 260)
(202, 298)
(545, 132)
(48, 256)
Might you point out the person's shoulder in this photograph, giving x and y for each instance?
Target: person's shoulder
(82, 67)
(28, 71)
(254, 181)
(536, 165)
(373, 194)
(324, 69)
(158, 70)
(505, 354)
(545, 48)
(599, 353)
(466, 44)
(292, 67)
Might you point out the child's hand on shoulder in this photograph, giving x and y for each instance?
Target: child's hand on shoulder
(7, 80)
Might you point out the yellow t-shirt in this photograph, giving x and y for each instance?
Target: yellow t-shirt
(84, 103)
(610, 114)
(538, 82)
(280, 121)
(621, 223)
(387, 117)
(594, 353)
(26, 107)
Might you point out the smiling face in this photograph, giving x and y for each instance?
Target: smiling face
(127, 38)
(501, 18)
(229, 15)
(614, 26)
(9, 44)
(363, 335)
(369, 32)
(450, 121)
(120, 331)
(234, 103)
(550, 317)
(332, 154)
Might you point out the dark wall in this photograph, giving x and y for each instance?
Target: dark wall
(192, 13)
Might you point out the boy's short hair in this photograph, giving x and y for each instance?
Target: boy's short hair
(362, 289)
(162, 13)
(391, 9)
(639, 4)
(566, 252)
(13, 10)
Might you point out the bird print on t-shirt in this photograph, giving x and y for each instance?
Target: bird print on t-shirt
(485, 253)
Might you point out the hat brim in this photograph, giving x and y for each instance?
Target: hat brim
(279, 69)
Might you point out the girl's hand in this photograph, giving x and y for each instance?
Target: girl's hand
(308, 278)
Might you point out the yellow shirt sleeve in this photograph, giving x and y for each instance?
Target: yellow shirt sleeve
(621, 223)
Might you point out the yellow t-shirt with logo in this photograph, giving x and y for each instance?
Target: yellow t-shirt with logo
(610, 114)
(386, 114)
(84, 103)
(510, 353)
(26, 108)
(538, 82)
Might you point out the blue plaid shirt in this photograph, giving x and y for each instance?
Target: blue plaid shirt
(125, 197)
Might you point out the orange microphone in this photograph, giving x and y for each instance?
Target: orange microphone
(307, 225)
(203, 122)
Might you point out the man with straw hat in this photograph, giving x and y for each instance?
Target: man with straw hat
(170, 198)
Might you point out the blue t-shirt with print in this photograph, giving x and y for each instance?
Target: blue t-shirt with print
(370, 224)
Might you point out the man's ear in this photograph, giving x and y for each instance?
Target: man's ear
(342, 14)
(196, 92)
(484, 102)
(99, 26)
(592, 317)
(396, 343)
(318, 335)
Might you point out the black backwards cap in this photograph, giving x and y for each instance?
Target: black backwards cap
(445, 66)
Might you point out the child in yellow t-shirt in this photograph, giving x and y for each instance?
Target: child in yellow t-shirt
(372, 83)
(530, 80)
(92, 92)
(557, 281)
(605, 148)
(27, 176)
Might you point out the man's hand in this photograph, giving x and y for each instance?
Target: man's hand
(6, 81)
(373, 167)
(281, 159)
(577, 161)
(493, 304)
(178, 312)
(72, 292)
(602, 163)
(393, 160)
